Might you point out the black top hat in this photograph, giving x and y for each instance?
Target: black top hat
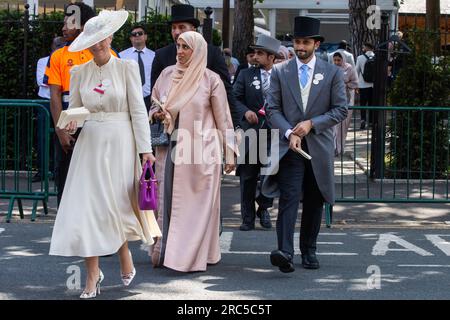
(249, 50)
(307, 27)
(184, 13)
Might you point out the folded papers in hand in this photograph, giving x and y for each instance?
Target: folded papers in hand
(77, 114)
(303, 153)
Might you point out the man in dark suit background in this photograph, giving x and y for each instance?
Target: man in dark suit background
(250, 61)
(182, 20)
(250, 90)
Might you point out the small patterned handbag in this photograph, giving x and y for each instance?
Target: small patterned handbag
(158, 136)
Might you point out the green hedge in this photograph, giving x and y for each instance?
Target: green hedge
(156, 26)
(41, 32)
(12, 50)
(422, 81)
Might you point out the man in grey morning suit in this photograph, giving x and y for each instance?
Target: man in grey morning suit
(305, 100)
(250, 90)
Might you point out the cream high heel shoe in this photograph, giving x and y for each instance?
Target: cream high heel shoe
(128, 277)
(93, 294)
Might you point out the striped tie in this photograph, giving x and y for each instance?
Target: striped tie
(265, 83)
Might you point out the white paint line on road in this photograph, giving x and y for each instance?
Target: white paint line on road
(296, 252)
(227, 237)
(424, 265)
(248, 252)
(2, 229)
(332, 234)
(329, 242)
(337, 253)
(225, 241)
(381, 247)
(437, 241)
(368, 235)
(329, 280)
(23, 253)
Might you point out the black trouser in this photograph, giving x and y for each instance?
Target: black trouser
(366, 99)
(249, 175)
(148, 102)
(40, 146)
(295, 176)
(62, 163)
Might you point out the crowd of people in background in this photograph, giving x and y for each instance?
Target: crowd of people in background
(361, 92)
(277, 87)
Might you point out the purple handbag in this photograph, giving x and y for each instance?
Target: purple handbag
(148, 189)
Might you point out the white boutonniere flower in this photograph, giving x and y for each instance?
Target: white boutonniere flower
(256, 83)
(317, 78)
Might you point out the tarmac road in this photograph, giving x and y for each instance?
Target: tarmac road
(370, 263)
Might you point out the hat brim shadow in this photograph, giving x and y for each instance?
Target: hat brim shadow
(315, 37)
(193, 21)
(255, 47)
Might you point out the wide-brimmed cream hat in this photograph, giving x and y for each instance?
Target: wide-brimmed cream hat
(99, 28)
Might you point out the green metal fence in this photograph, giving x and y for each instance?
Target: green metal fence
(403, 157)
(19, 136)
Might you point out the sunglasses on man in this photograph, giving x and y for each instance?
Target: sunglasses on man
(137, 33)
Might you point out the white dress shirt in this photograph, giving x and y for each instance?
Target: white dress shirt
(311, 65)
(44, 90)
(147, 57)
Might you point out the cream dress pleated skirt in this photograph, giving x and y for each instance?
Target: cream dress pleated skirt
(96, 215)
(98, 210)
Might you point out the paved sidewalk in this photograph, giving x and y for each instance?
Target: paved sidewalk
(351, 180)
(350, 215)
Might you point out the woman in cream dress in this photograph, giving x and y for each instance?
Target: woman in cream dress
(98, 213)
(197, 115)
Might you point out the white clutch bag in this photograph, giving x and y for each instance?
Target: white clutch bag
(78, 114)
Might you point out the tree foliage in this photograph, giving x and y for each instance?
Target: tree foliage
(420, 141)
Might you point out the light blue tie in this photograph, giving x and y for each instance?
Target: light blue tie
(304, 75)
